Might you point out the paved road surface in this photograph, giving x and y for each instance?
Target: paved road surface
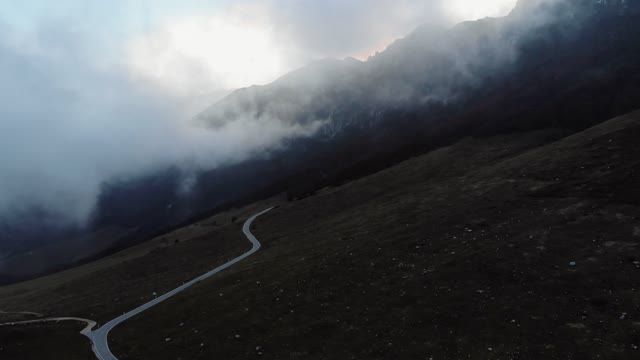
(99, 337)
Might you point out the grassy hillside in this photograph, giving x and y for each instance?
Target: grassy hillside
(50, 341)
(106, 288)
(524, 246)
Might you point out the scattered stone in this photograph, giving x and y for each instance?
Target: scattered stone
(167, 339)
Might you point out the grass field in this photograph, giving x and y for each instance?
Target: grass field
(44, 341)
(525, 246)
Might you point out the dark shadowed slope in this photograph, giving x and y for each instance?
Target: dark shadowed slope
(567, 66)
(481, 250)
(18, 332)
(45, 342)
(523, 245)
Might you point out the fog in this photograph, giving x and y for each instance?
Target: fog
(68, 125)
(74, 114)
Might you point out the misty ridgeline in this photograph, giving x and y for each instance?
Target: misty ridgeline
(564, 64)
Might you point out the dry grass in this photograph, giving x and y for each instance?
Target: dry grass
(465, 252)
(44, 342)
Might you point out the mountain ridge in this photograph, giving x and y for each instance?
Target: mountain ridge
(482, 78)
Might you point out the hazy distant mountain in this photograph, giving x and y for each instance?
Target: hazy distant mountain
(300, 96)
(431, 66)
(551, 63)
(554, 63)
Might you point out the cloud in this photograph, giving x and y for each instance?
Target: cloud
(345, 28)
(78, 107)
(472, 10)
(198, 54)
(359, 27)
(253, 42)
(67, 125)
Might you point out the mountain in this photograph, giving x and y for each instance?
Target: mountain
(559, 48)
(563, 64)
(550, 63)
(321, 81)
(518, 246)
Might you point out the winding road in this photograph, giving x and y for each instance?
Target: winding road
(99, 338)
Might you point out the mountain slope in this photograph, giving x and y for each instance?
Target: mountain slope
(524, 245)
(478, 250)
(550, 64)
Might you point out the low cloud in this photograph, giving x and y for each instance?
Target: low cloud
(253, 42)
(68, 125)
(74, 114)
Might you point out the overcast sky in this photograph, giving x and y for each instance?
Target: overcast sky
(96, 89)
(196, 46)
